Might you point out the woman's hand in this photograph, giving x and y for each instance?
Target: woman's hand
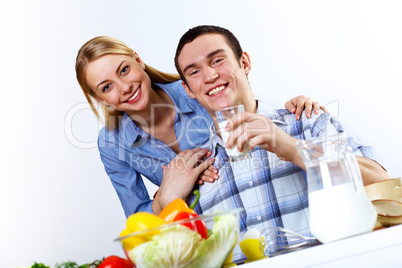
(300, 103)
(181, 174)
(208, 175)
(259, 130)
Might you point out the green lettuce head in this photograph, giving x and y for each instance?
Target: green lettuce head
(179, 246)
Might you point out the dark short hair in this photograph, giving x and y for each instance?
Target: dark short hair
(195, 32)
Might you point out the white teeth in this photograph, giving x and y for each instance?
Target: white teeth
(135, 95)
(216, 90)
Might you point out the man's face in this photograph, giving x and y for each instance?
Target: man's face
(215, 77)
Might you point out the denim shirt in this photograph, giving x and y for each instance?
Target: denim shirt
(129, 152)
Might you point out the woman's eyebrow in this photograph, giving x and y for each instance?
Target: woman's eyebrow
(117, 71)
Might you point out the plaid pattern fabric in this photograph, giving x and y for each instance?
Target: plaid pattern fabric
(271, 191)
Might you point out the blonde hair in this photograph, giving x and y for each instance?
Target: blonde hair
(98, 47)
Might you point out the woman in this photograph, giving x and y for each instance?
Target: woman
(149, 121)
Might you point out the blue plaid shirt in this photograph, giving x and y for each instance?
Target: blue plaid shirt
(271, 191)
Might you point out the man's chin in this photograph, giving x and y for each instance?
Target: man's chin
(212, 110)
(214, 105)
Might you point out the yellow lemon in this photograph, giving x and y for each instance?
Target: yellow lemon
(132, 241)
(250, 245)
(251, 248)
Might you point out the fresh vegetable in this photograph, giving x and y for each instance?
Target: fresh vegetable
(179, 246)
(179, 210)
(132, 241)
(173, 247)
(69, 264)
(198, 226)
(138, 222)
(176, 206)
(143, 221)
(213, 251)
(73, 264)
(39, 265)
(116, 262)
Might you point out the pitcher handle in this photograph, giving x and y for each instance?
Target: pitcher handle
(354, 168)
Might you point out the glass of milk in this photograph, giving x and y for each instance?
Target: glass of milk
(222, 118)
(339, 205)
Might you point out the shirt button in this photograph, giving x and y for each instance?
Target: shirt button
(259, 218)
(250, 183)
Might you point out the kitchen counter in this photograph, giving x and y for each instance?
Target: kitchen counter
(380, 248)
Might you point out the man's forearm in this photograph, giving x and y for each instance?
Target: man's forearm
(371, 171)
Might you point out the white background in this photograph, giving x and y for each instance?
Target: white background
(56, 202)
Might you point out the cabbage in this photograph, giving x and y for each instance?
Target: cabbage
(173, 247)
(213, 251)
(179, 246)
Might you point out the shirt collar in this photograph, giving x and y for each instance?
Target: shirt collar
(133, 133)
(214, 140)
(174, 92)
(130, 131)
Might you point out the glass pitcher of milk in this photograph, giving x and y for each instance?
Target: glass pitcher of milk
(339, 205)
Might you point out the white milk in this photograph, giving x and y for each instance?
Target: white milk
(232, 151)
(339, 212)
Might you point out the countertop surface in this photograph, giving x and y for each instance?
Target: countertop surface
(379, 248)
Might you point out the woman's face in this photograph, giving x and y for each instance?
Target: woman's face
(120, 81)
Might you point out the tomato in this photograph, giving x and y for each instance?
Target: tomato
(116, 262)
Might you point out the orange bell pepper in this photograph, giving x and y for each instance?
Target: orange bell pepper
(176, 206)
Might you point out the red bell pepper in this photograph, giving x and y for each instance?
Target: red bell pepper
(197, 225)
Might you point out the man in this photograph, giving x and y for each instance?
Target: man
(271, 186)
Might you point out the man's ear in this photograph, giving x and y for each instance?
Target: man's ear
(188, 90)
(245, 62)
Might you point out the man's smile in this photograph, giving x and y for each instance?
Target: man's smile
(216, 90)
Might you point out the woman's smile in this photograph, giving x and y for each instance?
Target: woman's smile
(135, 96)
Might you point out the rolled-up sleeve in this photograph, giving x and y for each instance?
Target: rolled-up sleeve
(326, 124)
